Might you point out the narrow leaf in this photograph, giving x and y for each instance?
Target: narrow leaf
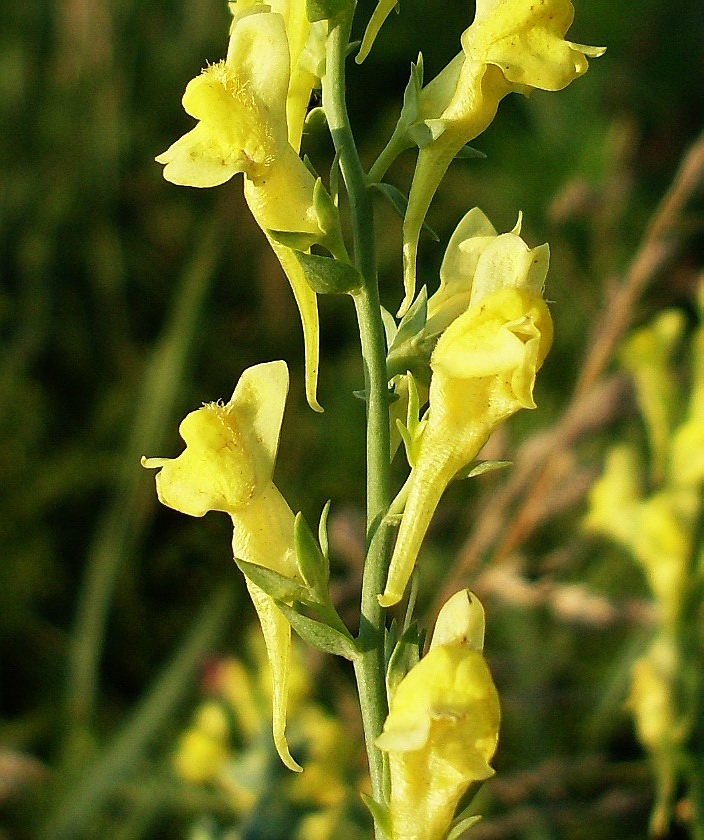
(323, 532)
(459, 828)
(321, 636)
(479, 468)
(469, 153)
(380, 814)
(399, 204)
(312, 563)
(277, 586)
(297, 240)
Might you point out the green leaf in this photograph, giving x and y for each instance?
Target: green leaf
(321, 636)
(328, 276)
(335, 178)
(479, 468)
(404, 656)
(326, 213)
(325, 9)
(323, 531)
(380, 814)
(469, 153)
(409, 337)
(312, 563)
(421, 134)
(297, 240)
(459, 828)
(399, 203)
(277, 586)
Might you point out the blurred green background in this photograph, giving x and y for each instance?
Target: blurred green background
(126, 302)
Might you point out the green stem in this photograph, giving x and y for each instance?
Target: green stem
(397, 144)
(370, 667)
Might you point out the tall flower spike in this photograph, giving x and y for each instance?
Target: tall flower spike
(228, 465)
(241, 104)
(483, 371)
(443, 725)
(512, 45)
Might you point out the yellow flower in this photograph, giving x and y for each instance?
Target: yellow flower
(241, 104)
(228, 465)
(443, 724)
(203, 748)
(512, 45)
(483, 371)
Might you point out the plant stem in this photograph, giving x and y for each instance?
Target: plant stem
(370, 667)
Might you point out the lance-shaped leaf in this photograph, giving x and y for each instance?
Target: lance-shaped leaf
(320, 635)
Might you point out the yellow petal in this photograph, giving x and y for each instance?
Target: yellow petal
(258, 56)
(199, 159)
(471, 238)
(241, 105)
(525, 39)
(381, 12)
(262, 532)
(230, 449)
(257, 407)
(460, 622)
(214, 472)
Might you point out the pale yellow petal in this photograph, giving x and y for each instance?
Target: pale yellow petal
(381, 12)
(257, 408)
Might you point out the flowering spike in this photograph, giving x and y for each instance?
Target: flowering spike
(484, 367)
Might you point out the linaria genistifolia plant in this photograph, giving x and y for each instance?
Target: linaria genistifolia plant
(459, 362)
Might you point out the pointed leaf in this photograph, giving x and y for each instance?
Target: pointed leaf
(297, 240)
(458, 829)
(405, 655)
(380, 814)
(321, 636)
(323, 532)
(328, 276)
(468, 152)
(479, 468)
(399, 204)
(312, 563)
(276, 586)
(325, 211)
(413, 322)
